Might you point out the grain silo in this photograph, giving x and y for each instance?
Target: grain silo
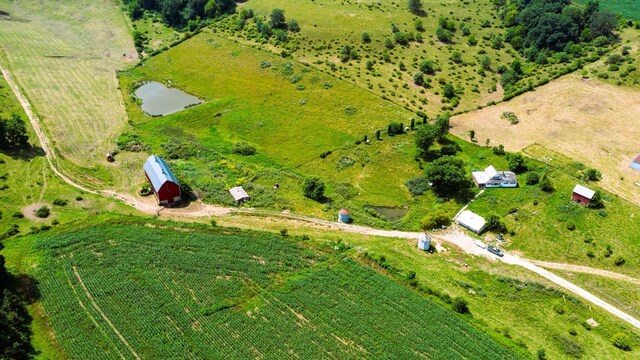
(343, 216)
(424, 242)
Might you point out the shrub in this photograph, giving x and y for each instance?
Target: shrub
(59, 202)
(43, 212)
(496, 224)
(395, 128)
(313, 188)
(460, 305)
(570, 225)
(244, 149)
(79, 198)
(499, 150)
(516, 163)
(417, 186)
(619, 261)
(546, 185)
(435, 220)
(541, 354)
(145, 190)
(533, 178)
(366, 38)
(510, 116)
(451, 149)
(284, 232)
(18, 215)
(592, 175)
(621, 341)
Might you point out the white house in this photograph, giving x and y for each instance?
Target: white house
(491, 177)
(471, 221)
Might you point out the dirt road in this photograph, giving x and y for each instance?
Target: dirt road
(198, 209)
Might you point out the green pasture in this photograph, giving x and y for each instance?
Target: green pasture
(626, 8)
(231, 294)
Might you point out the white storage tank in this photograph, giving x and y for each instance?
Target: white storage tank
(424, 242)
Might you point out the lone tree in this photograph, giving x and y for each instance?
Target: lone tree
(447, 175)
(277, 19)
(13, 132)
(460, 305)
(426, 136)
(313, 188)
(415, 6)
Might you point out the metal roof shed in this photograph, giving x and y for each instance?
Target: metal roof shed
(239, 194)
(471, 221)
(165, 185)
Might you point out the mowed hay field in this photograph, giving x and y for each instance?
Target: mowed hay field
(583, 119)
(64, 55)
(142, 290)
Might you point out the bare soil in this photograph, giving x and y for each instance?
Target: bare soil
(584, 119)
(29, 211)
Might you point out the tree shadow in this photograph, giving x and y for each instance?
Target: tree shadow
(23, 153)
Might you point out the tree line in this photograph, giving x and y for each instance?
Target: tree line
(536, 25)
(178, 13)
(15, 336)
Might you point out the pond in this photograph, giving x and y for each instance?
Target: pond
(391, 213)
(159, 100)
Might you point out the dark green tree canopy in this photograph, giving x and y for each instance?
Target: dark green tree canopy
(447, 174)
(277, 19)
(415, 6)
(313, 188)
(426, 136)
(13, 132)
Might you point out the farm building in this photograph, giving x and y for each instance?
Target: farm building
(343, 216)
(490, 177)
(471, 221)
(582, 195)
(635, 163)
(424, 242)
(239, 195)
(164, 184)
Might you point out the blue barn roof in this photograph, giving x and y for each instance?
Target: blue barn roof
(158, 172)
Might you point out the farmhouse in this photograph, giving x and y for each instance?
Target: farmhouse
(239, 195)
(490, 177)
(582, 195)
(471, 221)
(635, 163)
(164, 183)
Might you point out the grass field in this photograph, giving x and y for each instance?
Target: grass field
(231, 294)
(583, 119)
(289, 124)
(64, 56)
(626, 8)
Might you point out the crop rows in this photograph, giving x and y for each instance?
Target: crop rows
(201, 295)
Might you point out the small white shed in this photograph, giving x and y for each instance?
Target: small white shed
(471, 221)
(239, 195)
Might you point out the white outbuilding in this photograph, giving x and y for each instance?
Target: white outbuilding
(239, 194)
(424, 242)
(471, 221)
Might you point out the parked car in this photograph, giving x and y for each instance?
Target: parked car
(500, 237)
(494, 250)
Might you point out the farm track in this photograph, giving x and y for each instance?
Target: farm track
(459, 239)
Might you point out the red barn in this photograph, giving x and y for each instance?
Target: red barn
(164, 183)
(582, 195)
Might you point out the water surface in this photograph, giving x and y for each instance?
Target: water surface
(391, 213)
(159, 100)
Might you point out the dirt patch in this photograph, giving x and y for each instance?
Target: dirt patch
(30, 211)
(583, 119)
